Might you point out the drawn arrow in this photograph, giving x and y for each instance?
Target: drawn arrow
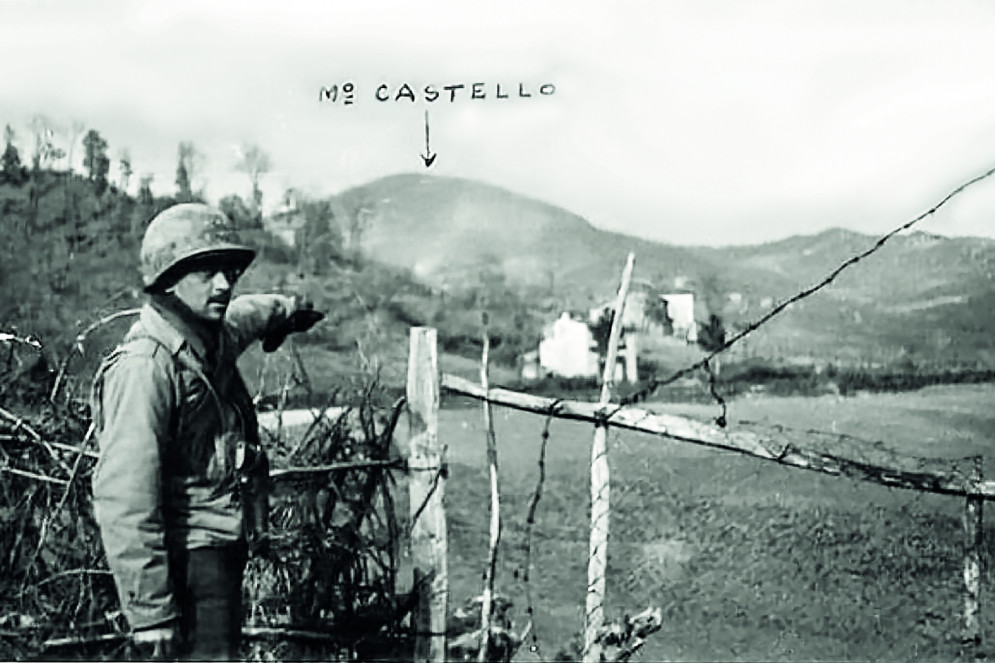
(428, 157)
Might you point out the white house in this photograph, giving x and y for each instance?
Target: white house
(680, 310)
(568, 349)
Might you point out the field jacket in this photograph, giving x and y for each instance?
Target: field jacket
(173, 419)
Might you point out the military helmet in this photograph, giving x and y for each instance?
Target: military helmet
(189, 233)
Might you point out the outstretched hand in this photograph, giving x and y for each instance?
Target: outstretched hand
(302, 319)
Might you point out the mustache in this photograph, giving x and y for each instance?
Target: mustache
(220, 299)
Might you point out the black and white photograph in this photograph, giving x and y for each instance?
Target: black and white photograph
(497, 331)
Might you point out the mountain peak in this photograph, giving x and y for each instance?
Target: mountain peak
(838, 232)
(448, 230)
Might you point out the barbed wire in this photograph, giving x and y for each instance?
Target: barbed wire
(860, 449)
(705, 364)
(440, 473)
(530, 530)
(656, 383)
(713, 388)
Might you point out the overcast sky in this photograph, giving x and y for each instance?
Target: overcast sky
(691, 122)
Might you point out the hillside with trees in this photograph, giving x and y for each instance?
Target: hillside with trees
(69, 256)
(920, 296)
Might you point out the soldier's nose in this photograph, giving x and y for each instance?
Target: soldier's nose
(221, 281)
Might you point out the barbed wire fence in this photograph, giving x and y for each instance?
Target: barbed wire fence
(864, 460)
(654, 383)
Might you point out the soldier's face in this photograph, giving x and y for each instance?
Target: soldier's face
(206, 292)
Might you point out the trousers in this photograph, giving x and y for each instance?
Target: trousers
(207, 584)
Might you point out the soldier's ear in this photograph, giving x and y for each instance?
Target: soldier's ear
(167, 284)
(167, 288)
(162, 289)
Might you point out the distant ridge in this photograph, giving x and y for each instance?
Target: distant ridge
(918, 293)
(446, 228)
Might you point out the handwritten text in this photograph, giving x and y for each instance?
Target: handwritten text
(347, 93)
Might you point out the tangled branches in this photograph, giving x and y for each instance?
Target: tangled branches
(53, 576)
(334, 550)
(326, 588)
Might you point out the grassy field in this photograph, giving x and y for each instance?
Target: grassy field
(750, 561)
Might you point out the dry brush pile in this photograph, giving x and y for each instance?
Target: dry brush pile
(326, 587)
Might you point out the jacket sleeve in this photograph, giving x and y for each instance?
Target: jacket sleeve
(252, 317)
(133, 401)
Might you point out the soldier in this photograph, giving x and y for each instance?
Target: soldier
(180, 490)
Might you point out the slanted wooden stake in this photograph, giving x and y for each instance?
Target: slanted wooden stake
(594, 614)
(486, 605)
(426, 460)
(973, 512)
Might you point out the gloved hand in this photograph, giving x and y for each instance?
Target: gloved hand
(159, 643)
(302, 319)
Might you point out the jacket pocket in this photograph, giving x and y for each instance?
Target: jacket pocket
(193, 448)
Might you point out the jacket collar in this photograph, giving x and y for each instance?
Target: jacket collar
(174, 332)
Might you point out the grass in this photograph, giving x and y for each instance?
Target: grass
(750, 561)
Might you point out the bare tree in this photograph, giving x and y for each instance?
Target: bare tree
(183, 190)
(75, 131)
(40, 126)
(255, 163)
(46, 151)
(96, 161)
(145, 196)
(188, 164)
(142, 213)
(11, 169)
(124, 167)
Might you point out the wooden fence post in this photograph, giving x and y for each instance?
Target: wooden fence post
(487, 604)
(973, 541)
(597, 564)
(426, 460)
